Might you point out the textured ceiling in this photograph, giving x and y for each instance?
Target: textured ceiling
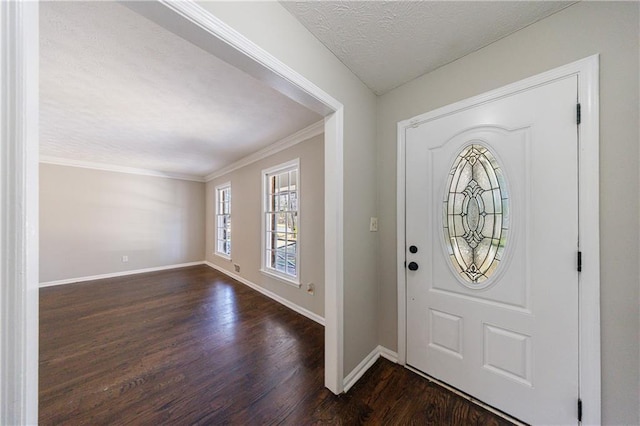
(118, 89)
(388, 43)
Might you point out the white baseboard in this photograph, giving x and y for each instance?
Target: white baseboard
(366, 363)
(360, 369)
(289, 304)
(118, 274)
(388, 354)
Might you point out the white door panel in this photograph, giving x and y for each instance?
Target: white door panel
(508, 335)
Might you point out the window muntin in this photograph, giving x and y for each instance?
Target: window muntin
(281, 255)
(223, 220)
(476, 215)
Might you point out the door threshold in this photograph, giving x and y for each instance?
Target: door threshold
(467, 397)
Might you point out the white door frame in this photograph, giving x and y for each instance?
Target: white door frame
(587, 71)
(19, 213)
(19, 183)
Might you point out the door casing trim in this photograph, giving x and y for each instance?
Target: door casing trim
(19, 212)
(587, 70)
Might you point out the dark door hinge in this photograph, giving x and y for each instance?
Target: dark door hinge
(578, 114)
(579, 261)
(579, 410)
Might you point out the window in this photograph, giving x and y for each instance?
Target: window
(476, 214)
(281, 221)
(223, 220)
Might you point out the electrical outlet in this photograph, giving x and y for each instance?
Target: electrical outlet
(236, 267)
(373, 224)
(311, 288)
(125, 259)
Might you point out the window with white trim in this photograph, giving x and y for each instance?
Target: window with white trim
(281, 215)
(223, 220)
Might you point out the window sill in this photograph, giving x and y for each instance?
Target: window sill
(285, 279)
(222, 255)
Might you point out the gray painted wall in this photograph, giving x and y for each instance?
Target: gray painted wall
(246, 217)
(612, 30)
(89, 219)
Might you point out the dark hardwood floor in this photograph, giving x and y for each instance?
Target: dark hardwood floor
(192, 346)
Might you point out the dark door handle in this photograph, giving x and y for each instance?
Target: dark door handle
(413, 266)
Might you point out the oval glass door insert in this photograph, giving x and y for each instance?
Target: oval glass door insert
(476, 214)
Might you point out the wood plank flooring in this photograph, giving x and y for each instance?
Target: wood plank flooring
(192, 346)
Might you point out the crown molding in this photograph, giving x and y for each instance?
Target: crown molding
(118, 169)
(300, 136)
(294, 139)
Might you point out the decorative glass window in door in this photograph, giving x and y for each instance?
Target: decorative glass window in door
(476, 214)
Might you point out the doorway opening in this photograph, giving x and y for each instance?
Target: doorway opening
(20, 112)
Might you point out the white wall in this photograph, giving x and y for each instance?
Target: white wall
(246, 220)
(271, 27)
(584, 29)
(89, 219)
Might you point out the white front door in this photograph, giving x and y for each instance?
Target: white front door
(492, 228)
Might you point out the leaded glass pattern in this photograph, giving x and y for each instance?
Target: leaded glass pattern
(476, 214)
